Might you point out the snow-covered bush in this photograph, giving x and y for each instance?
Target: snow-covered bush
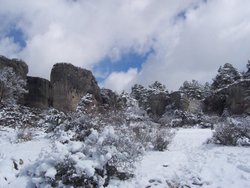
(232, 131)
(24, 135)
(19, 116)
(162, 139)
(180, 118)
(52, 118)
(151, 136)
(103, 155)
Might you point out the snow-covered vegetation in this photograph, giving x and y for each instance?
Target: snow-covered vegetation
(232, 131)
(11, 86)
(122, 143)
(84, 150)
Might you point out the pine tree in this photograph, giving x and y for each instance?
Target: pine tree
(141, 94)
(226, 75)
(206, 90)
(157, 87)
(193, 89)
(247, 74)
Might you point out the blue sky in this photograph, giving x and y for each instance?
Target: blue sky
(170, 40)
(127, 61)
(17, 36)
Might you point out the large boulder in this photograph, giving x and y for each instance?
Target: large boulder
(158, 103)
(70, 84)
(234, 99)
(238, 100)
(19, 66)
(39, 93)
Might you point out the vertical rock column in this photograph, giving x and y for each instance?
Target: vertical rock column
(69, 84)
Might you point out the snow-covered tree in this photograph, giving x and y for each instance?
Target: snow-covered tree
(12, 86)
(226, 75)
(206, 90)
(157, 87)
(248, 65)
(193, 89)
(141, 94)
(247, 74)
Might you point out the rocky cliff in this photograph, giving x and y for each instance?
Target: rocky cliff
(158, 103)
(19, 67)
(69, 84)
(39, 93)
(234, 99)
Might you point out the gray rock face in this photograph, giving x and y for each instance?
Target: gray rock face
(109, 98)
(19, 67)
(69, 84)
(238, 100)
(158, 103)
(39, 93)
(235, 99)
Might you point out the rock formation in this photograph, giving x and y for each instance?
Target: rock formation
(19, 67)
(69, 84)
(39, 93)
(234, 99)
(109, 98)
(158, 103)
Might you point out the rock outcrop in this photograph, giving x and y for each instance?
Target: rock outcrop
(69, 84)
(109, 98)
(19, 66)
(158, 103)
(234, 99)
(39, 93)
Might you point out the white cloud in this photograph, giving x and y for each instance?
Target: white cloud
(119, 81)
(83, 32)
(8, 47)
(212, 34)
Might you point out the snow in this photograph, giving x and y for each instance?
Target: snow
(23, 154)
(189, 162)
(192, 163)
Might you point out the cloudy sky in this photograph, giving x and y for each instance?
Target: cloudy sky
(128, 41)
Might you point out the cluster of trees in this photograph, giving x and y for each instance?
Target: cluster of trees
(227, 74)
(142, 94)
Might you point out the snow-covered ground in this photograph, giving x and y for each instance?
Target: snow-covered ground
(191, 163)
(188, 162)
(21, 153)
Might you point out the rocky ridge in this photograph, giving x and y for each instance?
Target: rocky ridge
(68, 84)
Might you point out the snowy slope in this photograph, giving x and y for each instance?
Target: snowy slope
(188, 162)
(191, 163)
(22, 153)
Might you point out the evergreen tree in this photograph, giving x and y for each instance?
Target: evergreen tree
(206, 90)
(247, 74)
(157, 87)
(226, 75)
(193, 89)
(141, 94)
